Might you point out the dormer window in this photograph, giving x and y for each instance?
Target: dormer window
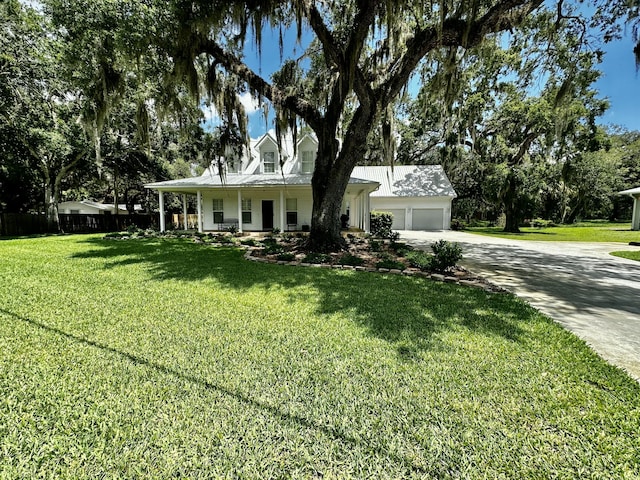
(269, 162)
(308, 161)
(233, 165)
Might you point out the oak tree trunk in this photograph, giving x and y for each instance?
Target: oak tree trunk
(51, 208)
(334, 164)
(511, 211)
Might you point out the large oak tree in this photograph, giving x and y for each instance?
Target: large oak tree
(369, 48)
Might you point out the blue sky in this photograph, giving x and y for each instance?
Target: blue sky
(619, 82)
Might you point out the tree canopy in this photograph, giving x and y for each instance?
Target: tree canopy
(163, 58)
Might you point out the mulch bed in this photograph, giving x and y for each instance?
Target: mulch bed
(370, 251)
(361, 253)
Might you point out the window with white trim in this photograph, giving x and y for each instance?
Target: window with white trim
(269, 162)
(246, 210)
(292, 211)
(233, 165)
(308, 160)
(218, 210)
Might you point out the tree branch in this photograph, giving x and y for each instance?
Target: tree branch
(345, 58)
(234, 65)
(453, 33)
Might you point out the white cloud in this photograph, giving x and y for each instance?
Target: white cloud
(249, 102)
(210, 113)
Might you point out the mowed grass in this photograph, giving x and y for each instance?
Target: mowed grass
(594, 231)
(167, 359)
(631, 255)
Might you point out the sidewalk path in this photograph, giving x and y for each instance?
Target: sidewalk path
(580, 285)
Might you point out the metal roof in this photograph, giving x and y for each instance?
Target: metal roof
(244, 180)
(408, 180)
(632, 192)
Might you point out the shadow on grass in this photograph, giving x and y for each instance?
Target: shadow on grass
(523, 234)
(408, 312)
(285, 417)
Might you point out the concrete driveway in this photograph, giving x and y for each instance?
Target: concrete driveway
(589, 292)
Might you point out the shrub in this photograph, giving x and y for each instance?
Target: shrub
(224, 239)
(541, 223)
(313, 257)
(381, 224)
(391, 265)
(232, 229)
(275, 231)
(420, 259)
(401, 248)
(349, 259)
(445, 255)
(249, 242)
(457, 224)
(375, 246)
(394, 236)
(287, 256)
(271, 248)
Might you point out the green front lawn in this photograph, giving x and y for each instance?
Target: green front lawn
(594, 231)
(631, 255)
(167, 359)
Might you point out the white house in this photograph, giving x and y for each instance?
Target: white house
(271, 188)
(88, 207)
(635, 217)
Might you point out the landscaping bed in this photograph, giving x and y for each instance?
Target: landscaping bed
(362, 252)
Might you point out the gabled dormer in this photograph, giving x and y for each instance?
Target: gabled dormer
(307, 149)
(267, 149)
(233, 161)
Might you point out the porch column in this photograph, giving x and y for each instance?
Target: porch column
(367, 211)
(282, 224)
(199, 202)
(635, 217)
(184, 211)
(353, 219)
(161, 206)
(239, 211)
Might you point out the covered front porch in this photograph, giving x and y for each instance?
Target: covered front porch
(257, 207)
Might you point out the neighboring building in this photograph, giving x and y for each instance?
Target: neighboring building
(266, 190)
(635, 217)
(88, 207)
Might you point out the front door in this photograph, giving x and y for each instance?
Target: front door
(267, 214)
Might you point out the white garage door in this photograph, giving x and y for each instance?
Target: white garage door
(398, 219)
(427, 219)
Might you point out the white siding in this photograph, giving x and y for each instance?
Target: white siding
(230, 199)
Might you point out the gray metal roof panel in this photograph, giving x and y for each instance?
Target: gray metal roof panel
(244, 180)
(408, 180)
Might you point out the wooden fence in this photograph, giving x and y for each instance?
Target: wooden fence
(17, 224)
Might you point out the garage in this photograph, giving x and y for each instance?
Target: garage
(398, 218)
(419, 196)
(427, 219)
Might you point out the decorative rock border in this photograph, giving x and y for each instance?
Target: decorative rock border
(478, 282)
